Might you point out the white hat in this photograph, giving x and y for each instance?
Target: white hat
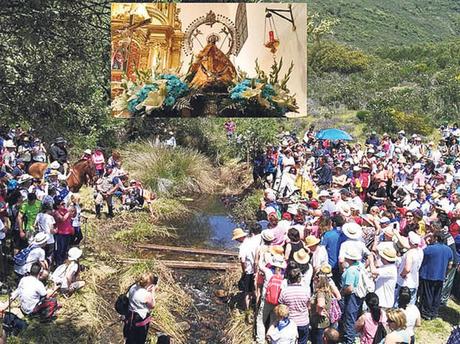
(55, 165)
(353, 253)
(441, 187)
(25, 178)
(293, 208)
(267, 235)
(356, 168)
(74, 253)
(414, 238)
(402, 132)
(40, 238)
(323, 193)
(87, 151)
(277, 260)
(371, 150)
(385, 220)
(352, 230)
(9, 144)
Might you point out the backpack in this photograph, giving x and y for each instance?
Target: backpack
(365, 284)
(335, 312)
(20, 258)
(380, 334)
(122, 303)
(59, 274)
(274, 289)
(12, 324)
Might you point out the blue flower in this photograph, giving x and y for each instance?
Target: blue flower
(169, 101)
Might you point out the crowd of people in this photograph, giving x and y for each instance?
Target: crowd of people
(352, 240)
(41, 221)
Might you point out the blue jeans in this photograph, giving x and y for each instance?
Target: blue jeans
(303, 334)
(413, 295)
(351, 306)
(316, 335)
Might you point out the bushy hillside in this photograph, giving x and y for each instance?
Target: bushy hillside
(370, 24)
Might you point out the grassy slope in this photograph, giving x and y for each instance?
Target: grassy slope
(369, 24)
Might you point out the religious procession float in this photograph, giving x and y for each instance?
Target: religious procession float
(148, 78)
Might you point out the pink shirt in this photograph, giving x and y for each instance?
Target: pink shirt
(370, 327)
(63, 227)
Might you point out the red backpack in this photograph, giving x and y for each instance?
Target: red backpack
(274, 289)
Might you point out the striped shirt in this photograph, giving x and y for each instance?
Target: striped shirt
(295, 297)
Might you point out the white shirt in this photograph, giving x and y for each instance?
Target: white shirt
(319, 257)
(30, 290)
(385, 285)
(346, 245)
(412, 314)
(411, 280)
(137, 300)
(37, 254)
(76, 220)
(62, 271)
(247, 253)
(288, 335)
(45, 223)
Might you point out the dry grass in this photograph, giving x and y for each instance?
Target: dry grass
(171, 300)
(235, 177)
(185, 170)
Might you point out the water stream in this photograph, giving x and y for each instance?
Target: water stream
(209, 226)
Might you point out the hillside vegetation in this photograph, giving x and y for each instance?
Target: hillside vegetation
(368, 24)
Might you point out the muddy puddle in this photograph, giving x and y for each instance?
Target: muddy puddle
(209, 226)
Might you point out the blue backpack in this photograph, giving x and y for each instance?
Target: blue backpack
(20, 259)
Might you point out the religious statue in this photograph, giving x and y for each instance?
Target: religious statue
(211, 68)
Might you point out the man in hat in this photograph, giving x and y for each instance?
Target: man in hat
(385, 276)
(324, 173)
(247, 260)
(9, 156)
(353, 238)
(273, 277)
(409, 266)
(58, 152)
(36, 255)
(351, 302)
(318, 252)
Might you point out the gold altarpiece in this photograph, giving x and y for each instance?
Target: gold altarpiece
(144, 36)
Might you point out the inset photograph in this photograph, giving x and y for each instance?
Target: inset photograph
(209, 59)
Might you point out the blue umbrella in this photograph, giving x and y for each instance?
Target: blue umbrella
(333, 135)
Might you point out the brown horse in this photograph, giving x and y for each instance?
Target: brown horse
(37, 169)
(82, 172)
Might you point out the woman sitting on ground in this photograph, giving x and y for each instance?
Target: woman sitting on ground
(141, 297)
(66, 275)
(396, 320)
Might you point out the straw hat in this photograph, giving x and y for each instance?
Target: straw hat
(238, 233)
(302, 256)
(267, 235)
(352, 230)
(40, 238)
(353, 253)
(25, 178)
(311, 240)
(74, 253)
(325, 269)
(53, 173)
(276, 250)
(87, 151)
(388, 253)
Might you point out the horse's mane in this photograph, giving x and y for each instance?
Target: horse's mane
(81, 161)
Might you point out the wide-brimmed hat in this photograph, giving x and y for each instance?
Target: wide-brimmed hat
(277, 249)
(388, 231)
(238, 233)
(325, 269)
(311, 240)
(74, 253)
(40, 238)
(53, 173)
(55, 165)
(323, 193)
(302, 256)
(293, 208)
(267, 235)
(353, 253)
(352, 230)
(388, 253)
(25, 178)
(60, 140)
(9, 144)
(87, 151)
(277, 260)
